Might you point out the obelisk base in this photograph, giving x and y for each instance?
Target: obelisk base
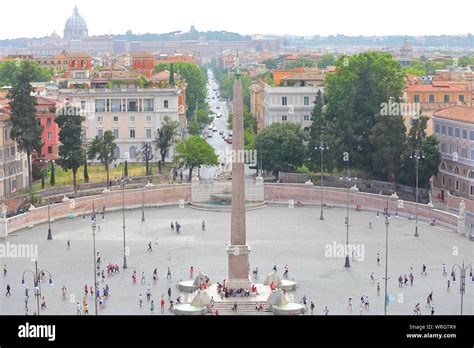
(238, 277)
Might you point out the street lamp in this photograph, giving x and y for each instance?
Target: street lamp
(462, 269)
(322, 146)
(143, 204)
(417, 155)
(50, 236)
(387, 223)
(94, 225)
(36, 282)
(124, 181)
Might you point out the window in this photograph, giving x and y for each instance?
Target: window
(116, 105)
(450, 131)
(437, 128)
(443, 130)
(49, 135)
(284, 118)
(165, 104)
(5, 134)
(443, 147)
(48, 122)
(7, 153)
(133, 152)
(472, 153)
(472, 190)
(148, 119)
(148, 105)
(1, 154)
(100, 105)
(461, 98)
(12, 151)
(457, 185)
(284, 100)
(132, 105)
(306, 100)
(117, 152)
(446, 98)
(306, 117)
(83, 104)
(464, 134)
(148, 133)
(100, 119)
(100, 133)
(132, 133)
(131, 119)
(50, 149)
(464, 152)
(115, 119)
(471, 135)
(416, 98)
(444, 181)
(431, 98)
(116, 133)
(457, 132)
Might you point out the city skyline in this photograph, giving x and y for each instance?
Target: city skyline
(160, 19)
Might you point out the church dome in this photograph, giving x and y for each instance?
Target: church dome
(76, 26)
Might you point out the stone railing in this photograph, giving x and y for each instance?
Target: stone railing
(160, 195)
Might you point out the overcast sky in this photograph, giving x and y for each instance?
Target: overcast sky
(20, 18)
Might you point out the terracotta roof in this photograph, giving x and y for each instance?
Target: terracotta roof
(438, 86)
(309, 75)
(45, 101)
(79, 55)
(456, 113)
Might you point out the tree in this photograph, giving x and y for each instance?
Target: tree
(52, 180)
(194, 127)
(165, 138)
(26, 129)
(196, 151)
(103, 149)
(147, 154)
(196, 80)
(317, 131)
(325, 60)
(86, 172)
(171, 79)
(281, 147)
(125, 169)
(354, 96)
(427, 166)
(71, 153)
(9, 72)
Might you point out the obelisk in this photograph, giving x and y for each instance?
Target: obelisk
(238, 250)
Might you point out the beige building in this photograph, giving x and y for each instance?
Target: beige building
(454, 127)
(133, 115)
(13, 163)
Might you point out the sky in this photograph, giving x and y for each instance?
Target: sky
(30, 18)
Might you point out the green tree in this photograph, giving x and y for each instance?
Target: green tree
(103, 149)
(325, 60)
(194, 127)
(417, 139)
(86, 172)
(196, 80)
(52, 180)
(171, 79)
(71, 153)
(281, 147)
(147, 155)
(165, 138)
(26, 129)
(9, 72)
(354, 97)
(317, 131)
(125, 169)
(194, 151)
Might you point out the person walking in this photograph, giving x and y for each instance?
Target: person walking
(432, 309)
(274, 268)
(143, 281)
(5, 270)
(191, 272)
(423, 272)
(285, 272)
(417, 309)
(372, 277)
(326, 310)
(140, 300)
(148, 293)
(8, 293)
(349, 304)
(449, 286)
(378, 259)
(378, 289)
(203, 225)
(162, 304)
(68, 246)
(412, 277)
(169, 293)
(168, 275)
(444, 270)
(78, 309)
(149, 246)
(172, 226)
(152, 306)
(312, 307)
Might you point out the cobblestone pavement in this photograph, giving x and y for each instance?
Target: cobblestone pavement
(277, 236)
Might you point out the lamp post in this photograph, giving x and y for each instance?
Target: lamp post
(387, 223)
(36, 282)
(143, 204)
(462, 269)
(124, 181)
(94, 225)
(50, 236)
(322, 146)
(417, 155)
